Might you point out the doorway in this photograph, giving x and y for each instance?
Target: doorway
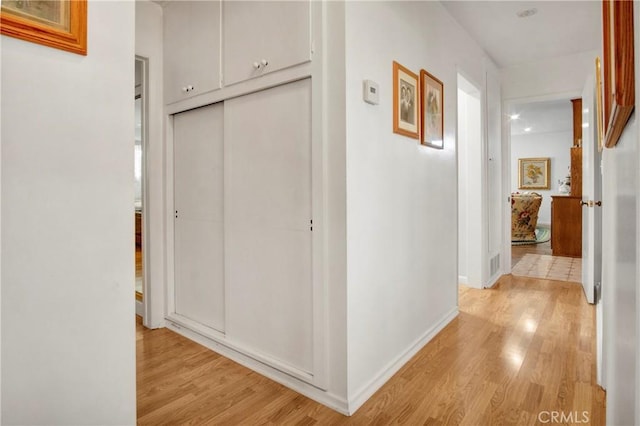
(542, 133)
(470, 187)
(139, 181)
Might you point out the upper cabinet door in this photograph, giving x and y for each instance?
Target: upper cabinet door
(191, 48)
(264, 36)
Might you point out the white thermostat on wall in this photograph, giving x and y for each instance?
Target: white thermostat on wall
(370, 92)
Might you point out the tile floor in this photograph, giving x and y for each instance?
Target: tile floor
(549, 267)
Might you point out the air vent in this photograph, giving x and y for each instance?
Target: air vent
(494, 265)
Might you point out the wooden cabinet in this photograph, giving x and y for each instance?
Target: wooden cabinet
(138, 228)
(566, 225)
(577, 121)
(264, 36)
(191, 49)
(576, 171)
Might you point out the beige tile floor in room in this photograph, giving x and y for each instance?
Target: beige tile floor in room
(549, 267)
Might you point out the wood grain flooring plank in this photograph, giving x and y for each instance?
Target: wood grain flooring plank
(525, 346)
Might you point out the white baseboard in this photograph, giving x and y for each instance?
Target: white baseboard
(323, 397)
(366, 391)
(463, 280)
(139, 308)
(493, 280)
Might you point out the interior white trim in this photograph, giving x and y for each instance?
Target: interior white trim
(463, 280)
(493, 280)
(140, 309)
(220, 339)
(267, 81)
(366, 391)
(326, 398)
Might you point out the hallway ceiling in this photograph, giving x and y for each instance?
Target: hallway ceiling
(559, 28)
(542, 117)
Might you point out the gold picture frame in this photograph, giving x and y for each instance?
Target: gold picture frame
(599, 104)
(61, 24)
(533, 173)
(619, 84)
(431, 110)
(406, 102)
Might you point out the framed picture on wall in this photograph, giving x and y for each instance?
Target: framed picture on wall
(619, 79)
(533, 173)
(432, 110)
(61, 24)
(599, 122)
(406, 102)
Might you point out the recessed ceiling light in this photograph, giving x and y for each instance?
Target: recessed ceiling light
(527, 12)
(527, 129)
(514, 116)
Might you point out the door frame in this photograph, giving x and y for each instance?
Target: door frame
(507, 104)
(144, 92)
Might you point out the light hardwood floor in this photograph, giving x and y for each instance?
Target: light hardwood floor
(524, 347)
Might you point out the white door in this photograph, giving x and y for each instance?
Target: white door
(268, 211)
(199, 218)
(591, 195)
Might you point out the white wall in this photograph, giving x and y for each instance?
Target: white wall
(619, 274)
(149, 45)
(333, 128)
(557, 147)
(1, 40)
(68, 330)
(620, 277)
(561, 75)
(401, 196)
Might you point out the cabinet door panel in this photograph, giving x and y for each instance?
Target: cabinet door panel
(176, 55)
(204, 66)
(286, 25)
(268, 206)
(276, 31)
(199, 225)
(191, 48)
(242, 40)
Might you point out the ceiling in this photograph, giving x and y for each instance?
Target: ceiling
(542, 117)
(559, 28)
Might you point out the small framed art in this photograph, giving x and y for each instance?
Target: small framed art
(432, 110)
(406, 98)
(533, 173)
(61, 24)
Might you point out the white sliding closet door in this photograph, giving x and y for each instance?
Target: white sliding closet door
(268, 210)
(199, 216)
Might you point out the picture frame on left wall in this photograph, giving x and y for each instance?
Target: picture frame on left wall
(61, 24)
(406, 102)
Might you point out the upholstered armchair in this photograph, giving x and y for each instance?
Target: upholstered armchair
(524, 215)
